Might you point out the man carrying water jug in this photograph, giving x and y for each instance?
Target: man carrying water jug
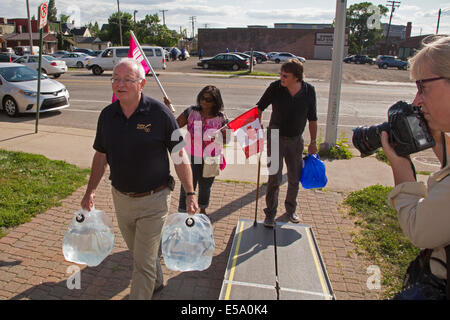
(133, 136)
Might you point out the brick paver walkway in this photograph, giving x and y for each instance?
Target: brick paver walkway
(32, 265)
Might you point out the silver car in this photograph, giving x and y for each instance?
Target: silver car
(49, 65)
(18, 91)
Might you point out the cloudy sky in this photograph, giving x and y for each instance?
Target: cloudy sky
(236, 13)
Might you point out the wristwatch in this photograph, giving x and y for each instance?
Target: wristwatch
(190, 193)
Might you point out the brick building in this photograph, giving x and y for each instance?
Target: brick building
(308, 43)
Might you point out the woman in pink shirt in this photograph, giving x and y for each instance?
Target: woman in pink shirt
(202, 121)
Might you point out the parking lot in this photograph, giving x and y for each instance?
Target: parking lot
(314, 69)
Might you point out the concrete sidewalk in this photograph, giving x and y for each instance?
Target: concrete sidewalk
(32, 265)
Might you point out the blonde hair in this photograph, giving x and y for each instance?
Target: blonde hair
(434, 55)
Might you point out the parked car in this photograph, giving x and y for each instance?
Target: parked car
(224, 61)
(391, 62)
(271, 54)
(8, 57)
(18, 85)
(75, 59)
(245, 56)
(97, 52)
(49, 64)
(349, 59)
(186, 55)
(363, 59)
(283, 56)
(260, 56)
(359, 59)
(23, 50)
(59, 53)
(87, 51)
(111, 56)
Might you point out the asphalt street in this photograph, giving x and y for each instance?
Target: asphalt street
(360, 104)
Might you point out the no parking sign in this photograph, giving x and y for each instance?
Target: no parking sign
(43, 13)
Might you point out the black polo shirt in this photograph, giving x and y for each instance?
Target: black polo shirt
(136, 148)
(289, 113)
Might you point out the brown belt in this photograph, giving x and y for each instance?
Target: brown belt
(143, 194)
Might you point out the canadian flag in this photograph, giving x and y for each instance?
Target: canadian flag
(249, 133)
(136, 54)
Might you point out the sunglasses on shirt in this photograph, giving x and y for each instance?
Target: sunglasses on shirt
(419, 83)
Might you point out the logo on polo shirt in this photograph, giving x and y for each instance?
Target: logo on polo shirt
(145, 127)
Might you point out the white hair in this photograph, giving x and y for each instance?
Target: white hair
(134, 64)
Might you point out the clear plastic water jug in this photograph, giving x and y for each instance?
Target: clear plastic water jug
(187, 242)
(89, 238)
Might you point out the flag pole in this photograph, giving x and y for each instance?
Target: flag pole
(151, 69)
(257, 189)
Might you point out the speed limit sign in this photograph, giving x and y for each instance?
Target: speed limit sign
(43, 13)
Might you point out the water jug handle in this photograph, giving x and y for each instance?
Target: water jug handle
(80, 217)
(190, 222)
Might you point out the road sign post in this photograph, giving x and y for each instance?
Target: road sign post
(43, 13)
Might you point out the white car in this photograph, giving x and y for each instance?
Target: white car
(111, 56)
(75, 59)
(18, 91)
(283, 56)
(49, 65)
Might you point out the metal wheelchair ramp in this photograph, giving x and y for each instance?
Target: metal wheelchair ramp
(283, 263)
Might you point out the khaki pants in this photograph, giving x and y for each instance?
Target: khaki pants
(141, 221)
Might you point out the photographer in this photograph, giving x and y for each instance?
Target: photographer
(424, 212)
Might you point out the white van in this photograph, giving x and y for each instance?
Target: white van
(111, 56)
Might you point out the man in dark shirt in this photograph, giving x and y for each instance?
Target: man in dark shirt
(293, 103)
(134, 135)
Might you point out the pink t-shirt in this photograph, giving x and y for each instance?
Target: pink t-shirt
(199, 139)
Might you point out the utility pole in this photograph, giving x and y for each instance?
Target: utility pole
(164, 17)
(192, 19)
(120, 23)
(29, 28)
(394, 4)
(334, 96)
(134, 13)
(439, 18)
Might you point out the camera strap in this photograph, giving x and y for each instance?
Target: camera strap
(444, 150)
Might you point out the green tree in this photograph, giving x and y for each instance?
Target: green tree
(360, 36)
(150, 31)
(112, 33)
(63, 18)
(52, 12)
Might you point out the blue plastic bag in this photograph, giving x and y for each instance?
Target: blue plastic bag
(313, 172)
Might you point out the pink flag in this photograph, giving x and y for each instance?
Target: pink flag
(249, 132)
(136, 54)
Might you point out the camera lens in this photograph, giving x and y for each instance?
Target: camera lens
(368, 139)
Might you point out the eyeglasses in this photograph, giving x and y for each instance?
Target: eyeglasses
(126, 81)
(419, 83)
(209, 99)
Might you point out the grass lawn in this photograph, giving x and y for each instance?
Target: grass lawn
(380, 236)
(30, 184)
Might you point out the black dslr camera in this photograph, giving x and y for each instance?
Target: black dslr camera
(407, 129)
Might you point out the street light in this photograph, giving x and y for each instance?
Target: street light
(439, 17)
